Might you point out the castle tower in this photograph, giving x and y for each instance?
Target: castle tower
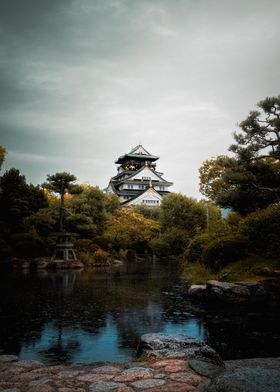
(138, 181)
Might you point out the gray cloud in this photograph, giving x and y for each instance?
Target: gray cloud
(82, 82)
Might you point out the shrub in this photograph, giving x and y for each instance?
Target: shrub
(27, 245)
(225, 250)
(262, 227)
(197, 274)
(122, 254)
(148, 212)
(5, 250)
(195, 248)
(172, 242)
(85, 245)
(100, 257)
(97, 258)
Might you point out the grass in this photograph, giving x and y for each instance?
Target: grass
(197, 274)
(249, 268)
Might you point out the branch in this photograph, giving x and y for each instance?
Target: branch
(264, 188)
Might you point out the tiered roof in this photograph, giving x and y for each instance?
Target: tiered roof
(139, 152)
(137, 180)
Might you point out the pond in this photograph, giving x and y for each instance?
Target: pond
(99, 315)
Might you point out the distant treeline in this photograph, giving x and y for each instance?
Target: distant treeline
(247, 183)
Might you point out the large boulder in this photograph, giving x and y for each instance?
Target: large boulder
(197, 290)
(235, 293)
(163, 345)
(248, 375)
(206, 367)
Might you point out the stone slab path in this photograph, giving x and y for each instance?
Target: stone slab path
(169, 375)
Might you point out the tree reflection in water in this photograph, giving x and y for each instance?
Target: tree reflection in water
(86, 316)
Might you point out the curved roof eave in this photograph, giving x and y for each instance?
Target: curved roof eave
(121, 159)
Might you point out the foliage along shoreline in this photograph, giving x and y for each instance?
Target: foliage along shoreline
(240, 246)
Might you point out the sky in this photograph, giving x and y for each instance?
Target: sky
(84, 81)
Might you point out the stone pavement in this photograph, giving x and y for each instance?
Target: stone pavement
(168, 375)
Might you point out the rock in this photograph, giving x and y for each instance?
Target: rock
(197, 290)
(148, 383)
(117, 262)
(235, 293)
(69, 373)
(187, 378)
(205, 367)
(266, 271)
(107, 369)
(65, 389)
(29, 364)
(95, 377)
(256, 379)
(229, 292)
(42, 381)
(170, 365)
(269, 363)
(133, 374)
(162, 345)
(41, 388)
(8, 358)
(105, 386)
(10, 390)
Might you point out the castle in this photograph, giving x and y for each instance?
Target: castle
(138, 181)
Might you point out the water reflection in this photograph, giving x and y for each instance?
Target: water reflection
(90, 315)
(99, 315)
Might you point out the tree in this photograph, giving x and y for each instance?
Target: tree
(129, 230)
(91, 209)
(242, 186)
(250, 179)
(3, 153)
(182, 212)
(180, 218)
(18, 200)
(147, 211)
(61, 183)
(260, 136)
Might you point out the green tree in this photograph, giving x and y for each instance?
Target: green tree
(91, 208)
(180, 218)
(251, 179)
(62, 183)
(148, 212)
(3, 153)
(18, 200)
(182, 212)
(171, 242)
(129, 230)
(262, 227)
(242, 186)
(260, 136)
(90, 202)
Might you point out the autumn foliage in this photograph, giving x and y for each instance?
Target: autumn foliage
(129, 230)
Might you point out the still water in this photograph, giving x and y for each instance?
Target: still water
(99, 315)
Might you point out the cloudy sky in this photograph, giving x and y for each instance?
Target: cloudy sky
(84, 81)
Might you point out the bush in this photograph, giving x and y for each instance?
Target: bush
(147, 211)
(27, 245)
(5, 250)
(225, 250)
(97, 258)
(262, 227)
(170, 243)
(100, 257)
(197, 274)
(195, 248)
(85, 245)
